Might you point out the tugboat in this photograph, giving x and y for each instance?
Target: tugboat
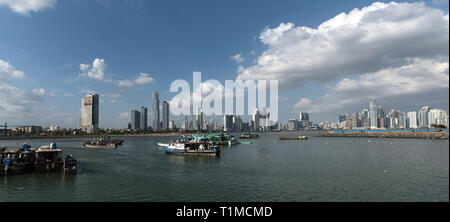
(192, 148)
(70, 165)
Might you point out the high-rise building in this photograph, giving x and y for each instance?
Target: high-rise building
(373, 114)
(256, 120)
(135, 120)
(342, 118)
(171, 125)
(89, 113)
(227, 123)
(144, 118)
(155, 111)
(437, 117)
(423, 116)
(165, 120)
(304, 119)
(292, 124)
(411, 119)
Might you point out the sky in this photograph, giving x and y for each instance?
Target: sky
(330, 57)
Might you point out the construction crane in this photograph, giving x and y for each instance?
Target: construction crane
(6, 127)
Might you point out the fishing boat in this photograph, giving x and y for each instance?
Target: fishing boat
(163, 144)
(44, 159)
(49, 160)
(192, 148)
(294, 138)
(70, 165)
(100, 143)
(249, 136)
(17, 161)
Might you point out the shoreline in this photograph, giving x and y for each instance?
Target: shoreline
(401, 135)
(86, 136)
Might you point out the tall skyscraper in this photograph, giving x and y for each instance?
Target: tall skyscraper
(155, 111)
(165, 120)
(135, 120)
(89, 113)
(436, 116)
(144, 118)
(256, 120)
(304, 119)
(411, 118)
(198, 119)
(227, 123)
(373, 114)
(423, 116)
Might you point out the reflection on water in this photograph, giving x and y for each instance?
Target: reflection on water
(317, 169)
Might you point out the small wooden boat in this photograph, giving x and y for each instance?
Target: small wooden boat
(293, 138)
(100, 146)
(70, 165)
(249, 136)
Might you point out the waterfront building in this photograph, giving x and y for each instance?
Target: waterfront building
(256, 120)
(165, 116)
(304, 120)
(373, 114)
(198, 119)
(342, 118)
(54, 128)
(227, 123)
(423, 116)
(89, 113)
(155, 112)
(135, 120)
(437, 116)
(292, 124)
(28, 129)
(411, 120)
(171, 125)
(144, 118)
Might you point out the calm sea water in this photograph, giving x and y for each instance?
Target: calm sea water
(317, 169)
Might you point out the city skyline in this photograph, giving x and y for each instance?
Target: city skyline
(41, 83)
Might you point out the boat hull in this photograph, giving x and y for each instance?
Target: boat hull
(192, 152)
(100, 146)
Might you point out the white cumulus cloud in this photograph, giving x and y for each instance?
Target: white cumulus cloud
(237, 58)
(94, 71)
(27, 6)
(364, 40)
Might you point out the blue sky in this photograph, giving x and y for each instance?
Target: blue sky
(164, 41)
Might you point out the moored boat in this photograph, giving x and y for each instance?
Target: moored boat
(49, 160)
(100, 143)
(100, 146)
(249, 136)
(163, 144)
(192, 148)
(293, 138)
(70, 165)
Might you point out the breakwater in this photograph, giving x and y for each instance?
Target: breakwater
(387, 134)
